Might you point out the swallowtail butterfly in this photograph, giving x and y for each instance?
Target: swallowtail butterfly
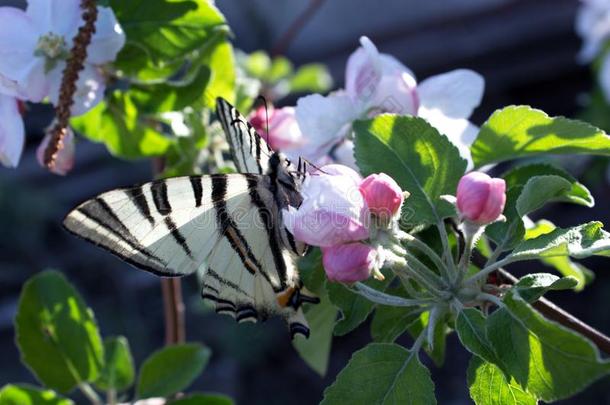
(230, 224)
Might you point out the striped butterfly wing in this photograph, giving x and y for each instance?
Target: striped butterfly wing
(250, 152)
(174, 226)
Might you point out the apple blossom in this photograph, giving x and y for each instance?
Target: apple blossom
(333, 209)
(64, 161)
(593, 25)
(32, 62)
(12, 131)
(481, 198)
(350, 262)
(378, 83)
(383, 195)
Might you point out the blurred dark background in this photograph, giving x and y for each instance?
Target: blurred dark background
(526, 51)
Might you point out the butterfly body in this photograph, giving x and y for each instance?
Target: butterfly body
(229, 225)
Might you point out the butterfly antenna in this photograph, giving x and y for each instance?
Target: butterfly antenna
(264, 101)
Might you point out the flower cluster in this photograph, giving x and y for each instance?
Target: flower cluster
(342, 214)
(32, 63)
(593, 25)
(319, 128)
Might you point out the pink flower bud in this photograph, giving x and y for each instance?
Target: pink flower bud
(349, 263)
(65, 156)
(333, 209)
(283, 133)
(480, 198)
(382, 195)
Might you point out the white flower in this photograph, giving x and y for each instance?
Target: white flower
(378, 83)
(12, 132)
(35, 43)
(593, 25)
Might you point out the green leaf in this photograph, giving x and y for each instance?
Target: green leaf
(545, 358)
(311, 78)
(161, 34)
(436, 348)
(280, 69)
(418, 157)
(539, 190)
(520, 131)
(257, 64)
(382, 373)
(533, 286)
(578, 242)
(522, 200)
(202, 399)
(56, 333)
(390, 322)
(316, 350)
(520, 175)
(221, 62)
(470, 327)
(163, 97)
(562, 264)
(118, 124)
(118, 372)
(488, 386)
(171, 370)
(354, 308)
(24, 394)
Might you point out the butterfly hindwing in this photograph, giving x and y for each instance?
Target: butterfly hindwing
(227, 224)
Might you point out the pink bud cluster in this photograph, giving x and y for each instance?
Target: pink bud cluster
(481, 198)
(336, 215)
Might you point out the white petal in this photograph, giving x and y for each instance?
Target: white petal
(17, 60)
(604, 77)
(459, 131)
(374, 80)
(593, 25)
(323, 120)
(108, 39)
(61, 17)
(90, 89)
(344, 154)
(12, 132)
(456, 93)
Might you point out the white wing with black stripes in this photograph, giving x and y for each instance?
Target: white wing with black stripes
(228, 223)
(250, 152)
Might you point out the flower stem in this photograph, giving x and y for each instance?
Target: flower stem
(488, 270)
(450, 264)
(403, 265)
(490, 298)
(386, 299)
(425, 249)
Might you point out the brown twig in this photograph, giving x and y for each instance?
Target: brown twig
(171, 289)
(297, 25)
(74, 65)
(553, 312)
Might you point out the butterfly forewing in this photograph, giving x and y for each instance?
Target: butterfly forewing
(250, 152)
(229, 225)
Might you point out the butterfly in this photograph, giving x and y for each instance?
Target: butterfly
(229, 225)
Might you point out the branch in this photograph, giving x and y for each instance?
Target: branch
(552, 311)
(74, 65)
(297, 25)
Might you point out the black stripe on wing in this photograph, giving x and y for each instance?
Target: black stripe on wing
(228, 228)
(270, 225)
(137, 197)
